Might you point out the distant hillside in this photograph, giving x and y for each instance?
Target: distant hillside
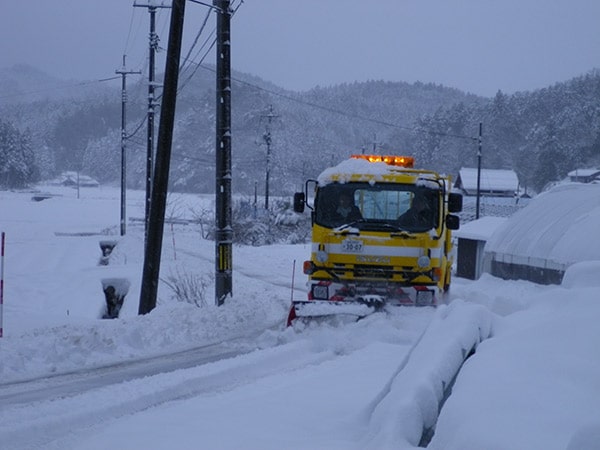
(541, 134)
(26, 84)
(309, 130)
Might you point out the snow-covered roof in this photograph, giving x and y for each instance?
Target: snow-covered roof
(557, 228)
(585, 173)
(480, 229)
(73, 178)
(497, 180)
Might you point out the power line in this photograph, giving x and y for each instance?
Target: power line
(186, 57)
(129, 31)
(339, 112)
(212, 35)
(138, 128)
(67, 86)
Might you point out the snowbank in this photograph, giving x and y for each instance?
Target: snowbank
(534, 384)
(406, 409)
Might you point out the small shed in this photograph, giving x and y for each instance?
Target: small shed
(472, 237)
(493, 182)
(584, 175)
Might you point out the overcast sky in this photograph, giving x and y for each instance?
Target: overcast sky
(479, 46)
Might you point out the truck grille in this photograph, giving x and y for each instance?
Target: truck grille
(382, 272)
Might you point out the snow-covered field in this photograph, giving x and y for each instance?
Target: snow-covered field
(233, 377)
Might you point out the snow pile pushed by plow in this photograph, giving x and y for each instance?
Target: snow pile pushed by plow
(406, 411)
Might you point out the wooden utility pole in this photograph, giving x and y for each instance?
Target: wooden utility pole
(268, 139)
(124, 72)
(478, 170)
(156, 221)
(224, 231)
(152, 104)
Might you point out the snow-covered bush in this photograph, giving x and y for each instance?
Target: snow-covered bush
(253, 225)
(189, 287)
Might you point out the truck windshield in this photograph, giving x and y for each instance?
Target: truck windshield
(380, 206)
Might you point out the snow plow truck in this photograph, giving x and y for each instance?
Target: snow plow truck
(381, 235)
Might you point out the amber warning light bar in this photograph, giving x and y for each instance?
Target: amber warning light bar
(401, 161)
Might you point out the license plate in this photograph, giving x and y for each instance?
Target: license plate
(352, 246)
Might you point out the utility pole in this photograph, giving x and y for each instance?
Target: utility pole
(478, 170)
(224, 230)
(156, 223)
(375, 143)
(124, 72)
(268, 139)
(152, 8)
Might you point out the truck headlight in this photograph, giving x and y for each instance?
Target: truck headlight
(322, 256)
(423, 261)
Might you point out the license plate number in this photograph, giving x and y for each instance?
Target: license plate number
(352, 246)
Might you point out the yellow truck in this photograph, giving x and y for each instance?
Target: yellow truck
(381, 235)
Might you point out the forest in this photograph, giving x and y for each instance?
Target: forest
(542, 134)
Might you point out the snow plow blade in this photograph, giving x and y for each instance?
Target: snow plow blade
(323, 308)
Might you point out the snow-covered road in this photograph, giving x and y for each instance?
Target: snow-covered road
(233, 377)
(298, 379)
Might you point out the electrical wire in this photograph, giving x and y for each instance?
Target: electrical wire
(129, 31)
(208, 39)
(138, 127)
(343, 113)
(182, 68)
(66, 86)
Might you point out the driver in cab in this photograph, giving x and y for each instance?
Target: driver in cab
(419, 215)
(346, 210)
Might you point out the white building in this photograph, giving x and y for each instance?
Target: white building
(584, 175)
(493, 182)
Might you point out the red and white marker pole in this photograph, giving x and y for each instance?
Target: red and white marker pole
(1, 281)
(293, 276)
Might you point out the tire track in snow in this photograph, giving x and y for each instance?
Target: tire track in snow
(49, 423)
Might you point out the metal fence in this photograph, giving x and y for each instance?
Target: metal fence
(491, 206)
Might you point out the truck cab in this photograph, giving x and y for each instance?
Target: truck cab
(381, 234)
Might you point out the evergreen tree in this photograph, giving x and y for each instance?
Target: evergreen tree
(17, 161)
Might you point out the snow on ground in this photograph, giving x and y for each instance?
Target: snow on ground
(371, 384)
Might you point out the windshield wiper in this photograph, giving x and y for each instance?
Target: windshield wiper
(369, 225)
(345, 227)
(388, 226)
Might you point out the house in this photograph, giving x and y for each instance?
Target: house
(493, 182)
(75, 179)
(584, 175)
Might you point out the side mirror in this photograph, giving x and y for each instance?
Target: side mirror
(455, 202)
(299, 202)
(452, 222)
